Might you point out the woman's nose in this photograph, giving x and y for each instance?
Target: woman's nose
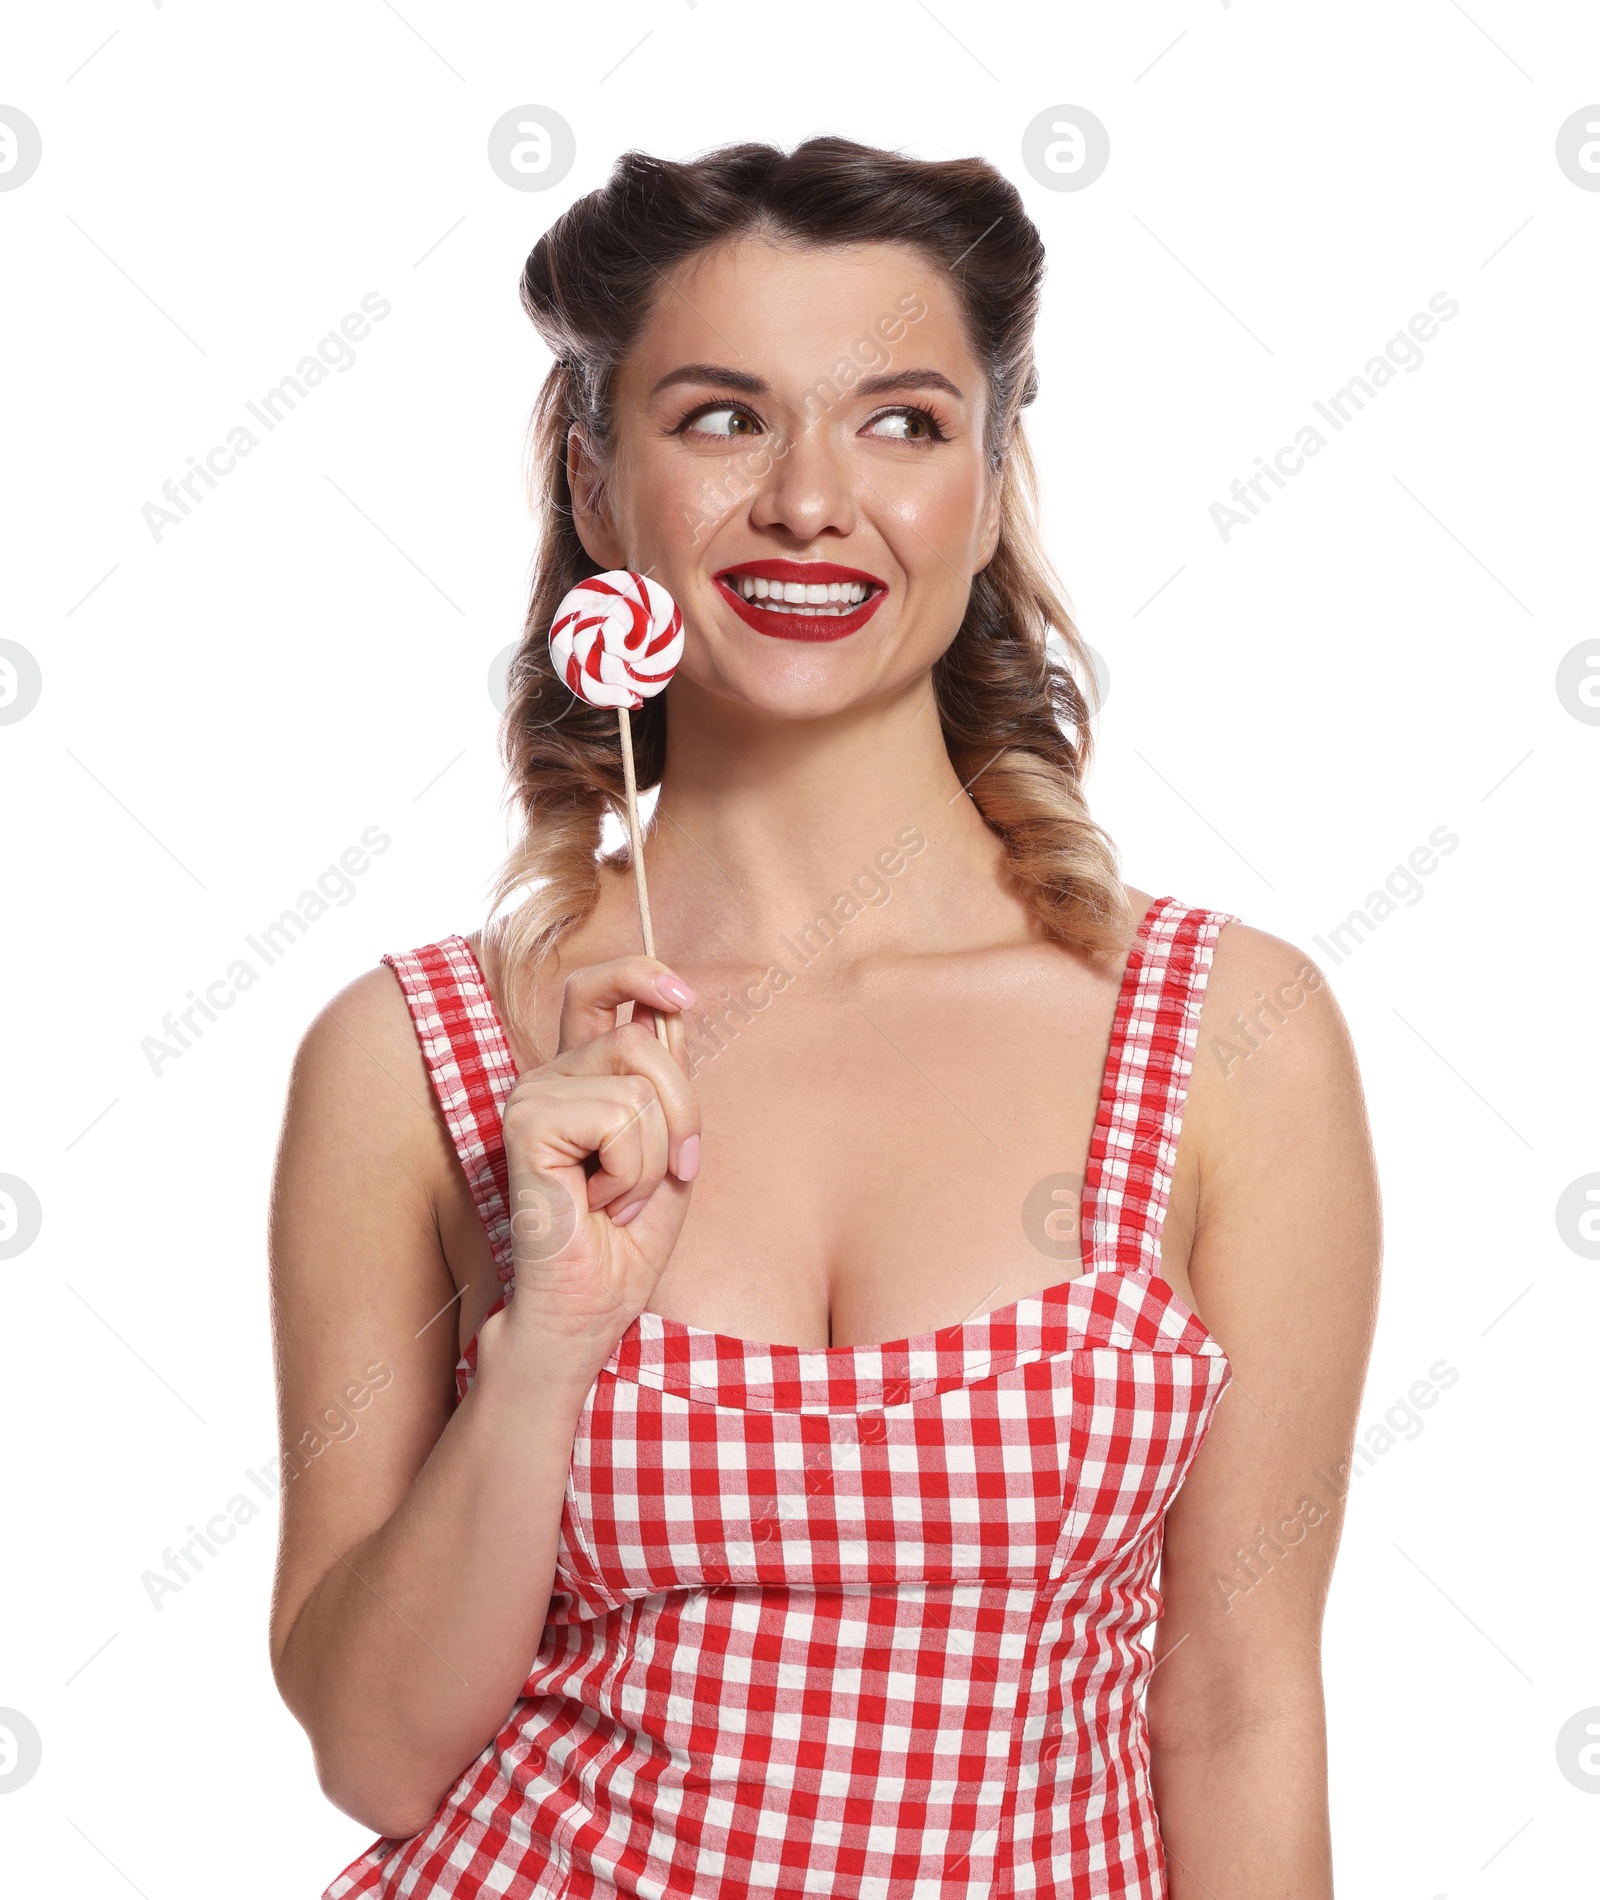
(809, 488)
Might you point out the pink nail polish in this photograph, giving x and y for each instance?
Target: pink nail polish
(689, 1158)
(675, 991)
(627, 1214)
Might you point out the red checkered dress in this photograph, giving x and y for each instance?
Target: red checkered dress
(850, 1620)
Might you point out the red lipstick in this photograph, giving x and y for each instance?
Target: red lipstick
(779, 625)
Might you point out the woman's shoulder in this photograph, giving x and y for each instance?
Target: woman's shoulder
(370, 1014)
(1276, 1176)
(1273, 1050)
(1244, 958)
(1255, 973)
(1269, 1035)
(359, 1079)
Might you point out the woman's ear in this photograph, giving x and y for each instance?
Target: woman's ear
(989, 523)
(590, 515)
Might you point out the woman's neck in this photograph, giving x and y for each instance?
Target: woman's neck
(761, 828)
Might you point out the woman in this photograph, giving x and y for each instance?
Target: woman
(794, 1526)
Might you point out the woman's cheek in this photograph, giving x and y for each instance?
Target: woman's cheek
(683, 504)
(939, 519)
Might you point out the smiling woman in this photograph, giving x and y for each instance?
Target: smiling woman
(787, 1517)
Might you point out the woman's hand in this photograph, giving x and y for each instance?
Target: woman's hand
(601, 1144)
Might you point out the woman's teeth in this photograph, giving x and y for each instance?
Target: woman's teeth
(827, 598)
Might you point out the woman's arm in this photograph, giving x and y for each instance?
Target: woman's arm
(418, 1542)
(1284, 1268)
(418, 1545)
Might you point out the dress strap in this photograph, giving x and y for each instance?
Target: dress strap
(1146, 1086)
(469, 1064)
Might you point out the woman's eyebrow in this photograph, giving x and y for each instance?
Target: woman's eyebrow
(906, 379)
(749, 385)
(712, 373)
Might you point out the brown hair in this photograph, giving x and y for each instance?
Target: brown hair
(1014, 720)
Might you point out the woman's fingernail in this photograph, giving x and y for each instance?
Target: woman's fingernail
(675, 990)
(689, 1158)
(627, 1214)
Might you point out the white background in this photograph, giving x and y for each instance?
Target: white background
(1290, 713)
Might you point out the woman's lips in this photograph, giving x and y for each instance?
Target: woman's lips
(797, 626)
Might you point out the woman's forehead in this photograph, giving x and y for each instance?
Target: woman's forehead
(780, 309)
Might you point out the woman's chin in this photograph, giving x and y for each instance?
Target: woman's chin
(790, 697)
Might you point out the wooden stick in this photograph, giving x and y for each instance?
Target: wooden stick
(636, 852)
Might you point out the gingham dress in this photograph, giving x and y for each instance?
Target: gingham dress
(850, 1620)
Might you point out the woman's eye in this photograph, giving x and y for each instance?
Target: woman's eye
(726, 419)
(906, 425)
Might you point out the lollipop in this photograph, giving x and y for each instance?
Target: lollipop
(616, 640)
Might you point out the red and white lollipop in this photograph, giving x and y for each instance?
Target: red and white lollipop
(616, 640)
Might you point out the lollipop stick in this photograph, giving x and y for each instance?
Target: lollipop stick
(636, 852)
